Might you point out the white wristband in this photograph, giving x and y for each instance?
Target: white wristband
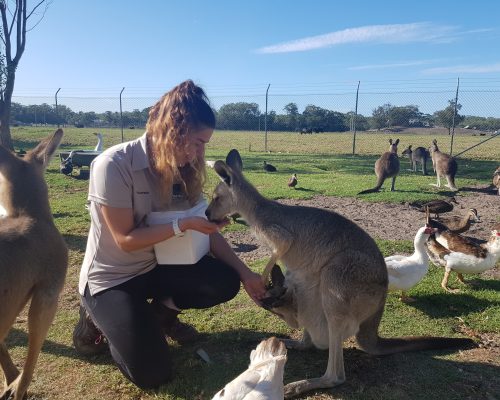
(177, 230)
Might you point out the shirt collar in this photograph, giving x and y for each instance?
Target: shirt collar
(140, 158)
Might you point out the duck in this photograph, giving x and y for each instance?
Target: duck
(269, 167)
(435, 206)
(456, 223)
(263, 379)
(461, 255)
(406, 271)
(292, 182)
(99, 145)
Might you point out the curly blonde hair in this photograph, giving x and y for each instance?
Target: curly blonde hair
(180, 112)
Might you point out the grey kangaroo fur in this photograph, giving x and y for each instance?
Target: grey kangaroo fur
(444, 166)
(33, 259)
(387, 166)
(419, 155)
(336, 279)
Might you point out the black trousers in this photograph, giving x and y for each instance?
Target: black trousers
(125, 317)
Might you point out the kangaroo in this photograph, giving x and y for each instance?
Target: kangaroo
(336, 280)
(33, 260)
(496, 179)
(387, 166)
(444, 166)
(419, 155)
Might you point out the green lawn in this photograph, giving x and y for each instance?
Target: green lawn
(233, 329)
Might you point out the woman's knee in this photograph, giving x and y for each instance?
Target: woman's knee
(148, 375)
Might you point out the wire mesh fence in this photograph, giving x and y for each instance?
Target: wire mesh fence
(332, 117)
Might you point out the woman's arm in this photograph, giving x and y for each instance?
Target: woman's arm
(120, 222)
(252, 281)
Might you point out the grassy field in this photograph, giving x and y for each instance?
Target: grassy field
(233, 329)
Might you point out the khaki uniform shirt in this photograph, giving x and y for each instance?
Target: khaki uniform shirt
(119, 177)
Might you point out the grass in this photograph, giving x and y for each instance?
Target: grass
(233, 329)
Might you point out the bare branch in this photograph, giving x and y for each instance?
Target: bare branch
(47, 3)
(38, 5)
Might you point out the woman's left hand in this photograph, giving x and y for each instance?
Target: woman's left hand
(252, 282)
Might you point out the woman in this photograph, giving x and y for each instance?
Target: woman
(131, 299)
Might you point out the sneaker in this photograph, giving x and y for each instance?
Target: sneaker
(176, 330)
(87, 338)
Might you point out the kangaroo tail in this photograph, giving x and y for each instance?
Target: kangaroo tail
(370, 342)
(451, 182)
(380, 182)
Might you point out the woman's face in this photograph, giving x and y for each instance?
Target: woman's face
(196, 142)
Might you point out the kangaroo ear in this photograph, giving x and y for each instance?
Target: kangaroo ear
(47, 147)
(409, 146)
(435, 141)
(223, 171)
(397, 142)
(390, 141)
(277, 277)
(233, 159)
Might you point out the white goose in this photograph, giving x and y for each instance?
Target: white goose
(263, 380)
(406, 271)
(458, 253)
(99, 144)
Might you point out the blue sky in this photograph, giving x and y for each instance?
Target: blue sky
(93, 48)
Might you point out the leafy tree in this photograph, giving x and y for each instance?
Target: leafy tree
(446, 117)
(239, 116)
(381, 116)
(15, 16)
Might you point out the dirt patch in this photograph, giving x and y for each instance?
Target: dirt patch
(390, 221)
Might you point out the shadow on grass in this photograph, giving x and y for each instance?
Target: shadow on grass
(75, 242)
(18, 338)
(387, 377)
(449, 305)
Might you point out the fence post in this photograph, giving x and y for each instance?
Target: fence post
(57, 113)
(121, 114)
(354, 122)
(453, 120)
(265, 121)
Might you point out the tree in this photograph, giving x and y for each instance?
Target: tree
(239, 116)
(15, 16)
(447, 117)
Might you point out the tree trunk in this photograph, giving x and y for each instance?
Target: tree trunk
(5, 106)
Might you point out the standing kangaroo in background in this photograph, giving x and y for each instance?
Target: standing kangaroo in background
(336, 280)
(419, 155)
(444, 166)
(33, 259)
(387, 166)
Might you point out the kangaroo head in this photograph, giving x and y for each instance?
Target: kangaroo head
(29, 170)
(393, 148)
(407, 151)
(224, 198)
(434, 146)
(281, 299)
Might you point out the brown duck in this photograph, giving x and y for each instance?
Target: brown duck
(435, 206)
(456, 223)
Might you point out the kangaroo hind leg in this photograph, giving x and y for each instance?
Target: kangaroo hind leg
(335, 373)
(40, 316)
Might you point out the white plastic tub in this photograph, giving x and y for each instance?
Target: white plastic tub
(187, 249)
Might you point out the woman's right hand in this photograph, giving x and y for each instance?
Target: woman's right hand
(199, 224)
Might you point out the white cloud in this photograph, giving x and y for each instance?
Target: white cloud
(397, 33)
(463, 69)
(393, 65)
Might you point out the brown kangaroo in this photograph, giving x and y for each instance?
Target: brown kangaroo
(336, 280)
(419, 155)
(33, 260)
(387, 166)
(496, 179)
(444, 166)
